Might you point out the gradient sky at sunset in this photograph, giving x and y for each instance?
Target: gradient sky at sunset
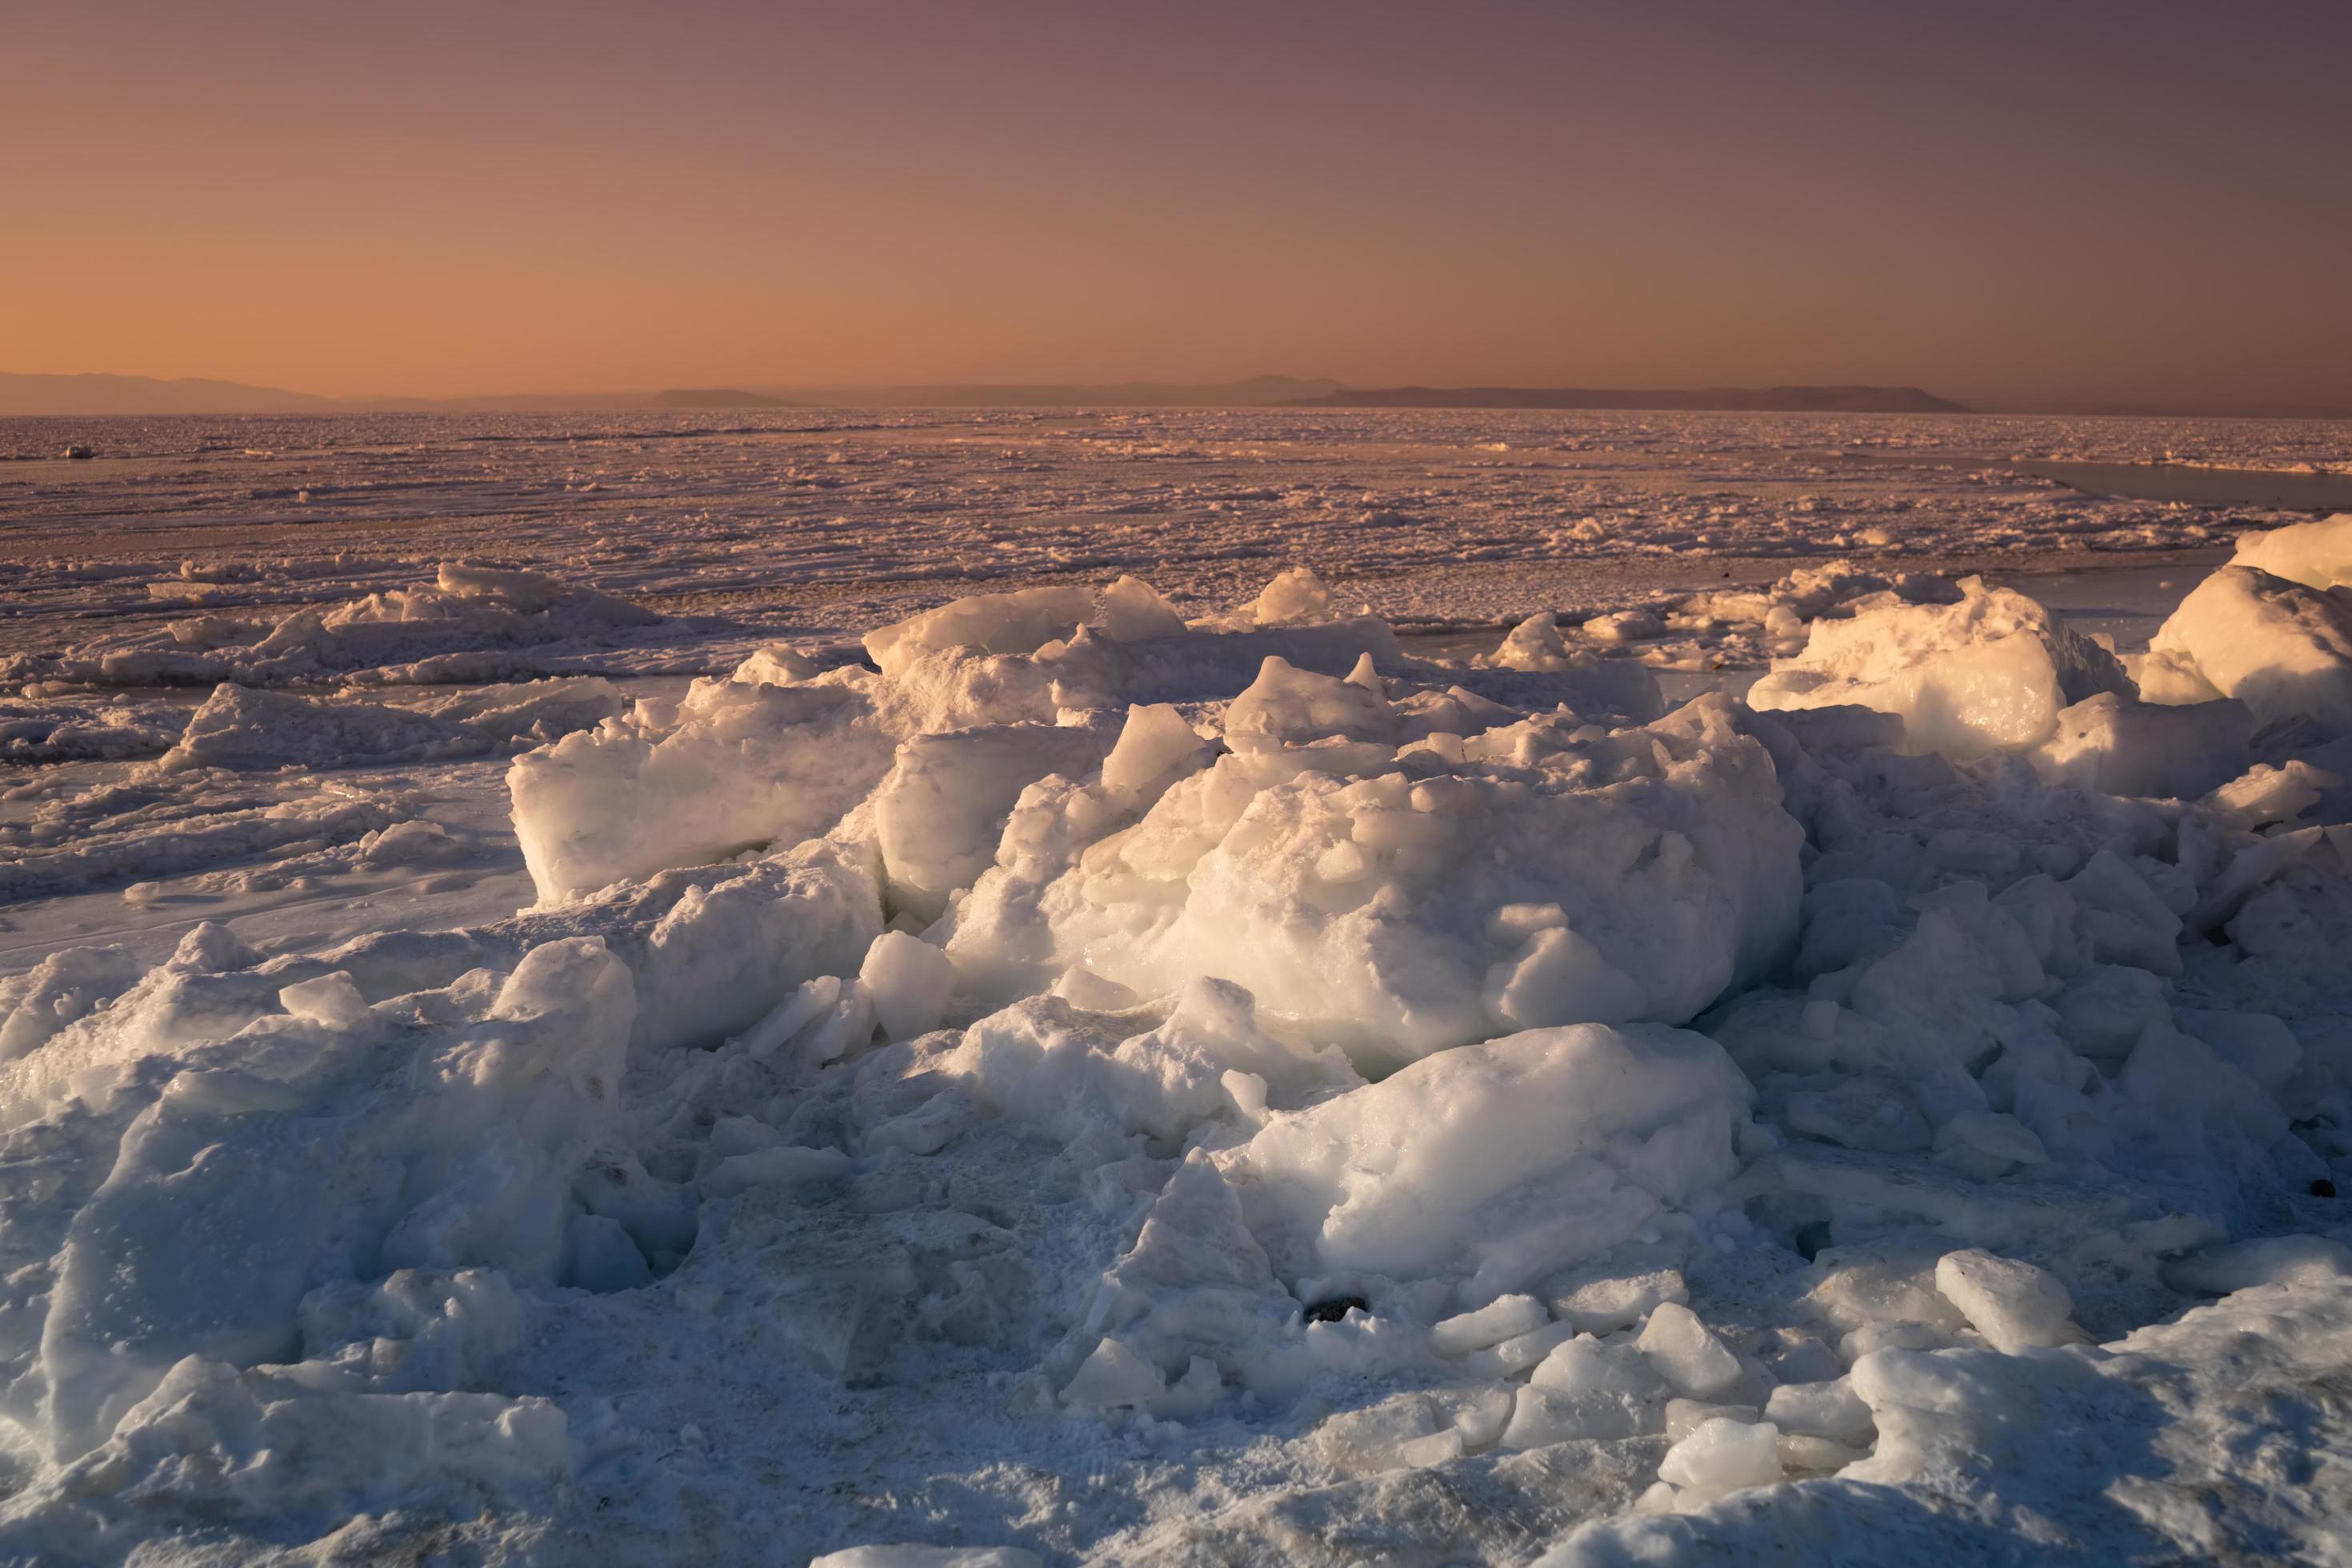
(2135, 201)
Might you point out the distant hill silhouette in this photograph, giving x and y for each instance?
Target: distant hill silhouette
(713, 397)
(1254, 392)
(101, 395)
(1731, 399)
(106, 394)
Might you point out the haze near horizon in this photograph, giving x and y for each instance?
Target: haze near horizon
(2136, 203)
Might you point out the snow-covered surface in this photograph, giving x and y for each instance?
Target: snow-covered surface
(682, 1045)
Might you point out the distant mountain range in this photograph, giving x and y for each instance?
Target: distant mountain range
(1254, 392)
(714, 397)
(1766, 399)
(38, 395)
(134, 394)
(98, 396)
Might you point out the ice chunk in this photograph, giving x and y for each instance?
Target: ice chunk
(209, 948)
(1534, 643)
(1625, 626)
(1585, 1365)
(1989, 673)
(2282, 649)
(1658, 859)
(908, 980)
(778, 664)
(1558, 975)
(1505, 1317)
(1684, 1416)
(747, 766)
(1294, 597)
(1287, 706)
(330, 999)
(2315, 555)
(412, 843)
(1408, 1431)
(1542, 1417)
(1686, 1353)
(1131, 610)
(2121, 919)
(714, 950)
(1513, 1158)
(1830, 1409)
(2015, 1306)
(1602, 1299)
(1803, 1451)
(1988, 1144)
(1113, 1376)
(2171, 677)
(2270, 1260)
(1723, 1455)
(1021, 621)
(1521, 1354)
(928, 1557)
(2264, 794)
(1069, 1072)
(533, 711)
(1588, 1389)
(939, 813)
(2258, 1045)
(246, 728)
(2120, 746)
(1876, 1284)
(1091, 670)
(1155, 746)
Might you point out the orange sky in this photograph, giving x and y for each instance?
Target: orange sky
(2089, 200)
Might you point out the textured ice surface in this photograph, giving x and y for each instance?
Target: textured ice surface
(1142, 1080)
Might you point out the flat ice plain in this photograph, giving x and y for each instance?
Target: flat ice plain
(1175, 987)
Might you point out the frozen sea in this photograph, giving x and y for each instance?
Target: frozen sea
(1193, 986)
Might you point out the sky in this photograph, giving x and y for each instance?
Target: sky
(2138, 202)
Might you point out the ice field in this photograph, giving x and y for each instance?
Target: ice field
(1194, 987)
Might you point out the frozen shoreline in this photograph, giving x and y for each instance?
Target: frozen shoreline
(536, 1067)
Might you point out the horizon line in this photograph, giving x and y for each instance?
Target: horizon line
(1329, 394)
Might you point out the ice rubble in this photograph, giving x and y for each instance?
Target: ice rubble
(1401, 900)
(258, 772)
(1520, 1118)
(46, 729)
(1989, 672)
(251, 729)
(472, 622)
(1712, 629)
